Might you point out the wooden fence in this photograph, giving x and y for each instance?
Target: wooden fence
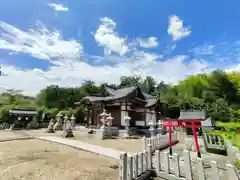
(172, 167)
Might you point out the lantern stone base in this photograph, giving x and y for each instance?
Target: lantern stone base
(104, 132)
(58, 127)
(126, 136)
(68, 134)
(50, 130)
(153, 132)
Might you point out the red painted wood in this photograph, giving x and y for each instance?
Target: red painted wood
(181, 123)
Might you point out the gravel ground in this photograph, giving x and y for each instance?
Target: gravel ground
(40, 160)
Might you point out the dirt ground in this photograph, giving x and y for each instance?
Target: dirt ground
(127, 145)
(40, 160)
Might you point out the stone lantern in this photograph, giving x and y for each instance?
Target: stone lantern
(103, 133)
(109, 123)
(103, 118)
(160, 126)
(68, 127)
(58, 125)
(65, 121)
(73, 118)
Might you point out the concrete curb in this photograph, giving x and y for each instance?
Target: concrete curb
(107, 152)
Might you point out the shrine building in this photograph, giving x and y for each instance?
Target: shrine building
(143, 108)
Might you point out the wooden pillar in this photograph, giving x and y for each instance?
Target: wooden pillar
(195, 139)
(145, 122)
(87, 116)
(170, 136)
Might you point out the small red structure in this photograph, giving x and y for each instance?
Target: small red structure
(194, 124)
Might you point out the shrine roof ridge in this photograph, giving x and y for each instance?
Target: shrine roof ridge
(115, 94)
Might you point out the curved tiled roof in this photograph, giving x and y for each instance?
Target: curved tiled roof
(121, 93)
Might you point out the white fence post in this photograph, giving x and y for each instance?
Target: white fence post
(130, 168)
(176, 165)
(144, 143)
(145, 160)
(135, 165)
(149, 157)
(214, 171)
(166, 162)
(187, 165)
(123, 166)
(231, 172)
(200, 170)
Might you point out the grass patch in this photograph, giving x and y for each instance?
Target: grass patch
(228, 135)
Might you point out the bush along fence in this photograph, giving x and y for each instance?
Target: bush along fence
(143, 164)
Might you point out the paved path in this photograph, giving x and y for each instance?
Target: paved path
(112, 153)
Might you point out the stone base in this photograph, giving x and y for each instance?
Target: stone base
(67, 134)
(58, 127)
(50, 131)
(126, 136)
(104, 133)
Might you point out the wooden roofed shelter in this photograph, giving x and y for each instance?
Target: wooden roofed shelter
(141, 107)
(21, 117)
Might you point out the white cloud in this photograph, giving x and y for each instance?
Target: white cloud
(206, 49)
(70, 70)
(40, 43)
(176, 28)
(109, 39)
(58, 7)
(150, 42)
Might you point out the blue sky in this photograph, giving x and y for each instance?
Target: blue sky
(65, 42)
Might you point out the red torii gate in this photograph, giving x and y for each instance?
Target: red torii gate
(184, 123)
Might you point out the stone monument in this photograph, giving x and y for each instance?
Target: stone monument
(51, 126)
(58, 125)
(127, 123)
(68, 127)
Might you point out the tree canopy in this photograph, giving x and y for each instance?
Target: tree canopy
(218, 93)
